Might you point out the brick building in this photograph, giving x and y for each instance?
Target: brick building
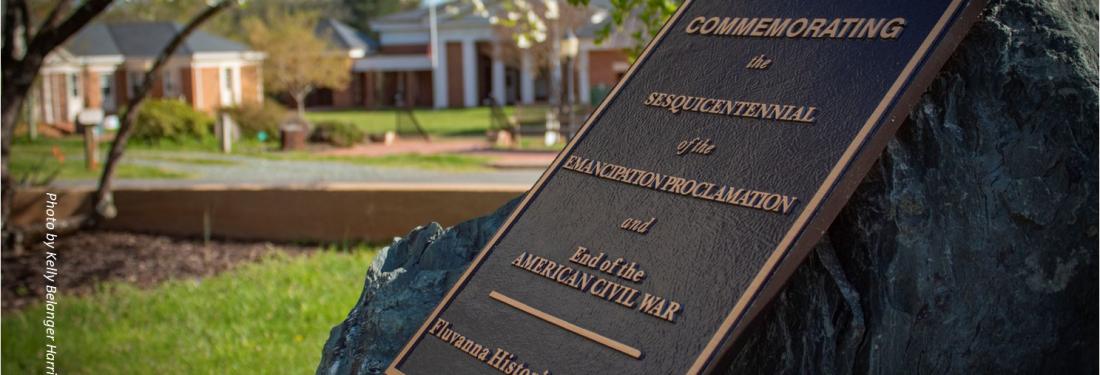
(470, 66)
(103, 64)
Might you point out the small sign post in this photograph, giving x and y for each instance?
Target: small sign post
(88, 120)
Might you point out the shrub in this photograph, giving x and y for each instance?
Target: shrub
(253, 118)
(171, 120)
(337, 133)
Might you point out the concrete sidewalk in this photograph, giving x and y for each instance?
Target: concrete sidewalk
(257, 171)
(410, 145)
(510, 168)
(473, 146)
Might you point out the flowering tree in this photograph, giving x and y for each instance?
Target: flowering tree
(297, 60)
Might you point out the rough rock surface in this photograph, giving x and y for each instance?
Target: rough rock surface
(970, 248)
(404, 283)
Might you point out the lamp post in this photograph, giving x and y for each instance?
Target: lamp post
(570, 47)
(553, 116)
(433, 34)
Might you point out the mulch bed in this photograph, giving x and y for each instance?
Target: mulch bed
(89, 258)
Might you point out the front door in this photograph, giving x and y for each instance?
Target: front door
(228, 92)
(75, 95)
(107, 91)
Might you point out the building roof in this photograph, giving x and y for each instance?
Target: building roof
(408, 16)
(344, 37)
(144, 39)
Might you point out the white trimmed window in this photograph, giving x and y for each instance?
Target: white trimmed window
(230, 85)
(170, 82)
(134, 78)
(74, 85)
(106, 90)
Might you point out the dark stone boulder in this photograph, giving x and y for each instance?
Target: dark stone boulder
(970, 248)
(404, 283)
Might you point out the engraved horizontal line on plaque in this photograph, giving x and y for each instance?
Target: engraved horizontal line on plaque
(560, 323)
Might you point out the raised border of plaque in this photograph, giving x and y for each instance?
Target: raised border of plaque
(812, 221)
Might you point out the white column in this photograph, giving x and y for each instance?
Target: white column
(498, 75)
(439, 75)
(582, 77)
(469, 73)
(259, 83)
(196, 77)
(526, 79)
(47, 97)
(237, 95)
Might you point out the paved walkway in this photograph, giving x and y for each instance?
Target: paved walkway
(518, 159)
(512, 169)
(475, 146)
(408, 145)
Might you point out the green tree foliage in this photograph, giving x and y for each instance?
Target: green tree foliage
(359, 13)
(253, 118)
(338, 133)
(170, 120)
(298, 61)
(645, 16)
(229, 25)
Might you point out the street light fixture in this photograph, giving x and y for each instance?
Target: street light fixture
(570, 46)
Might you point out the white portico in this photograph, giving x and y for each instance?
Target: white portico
(467, 61)
(464, 66)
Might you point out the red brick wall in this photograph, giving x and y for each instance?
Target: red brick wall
(345, 97)
(121, 88)
(454, 74)
(423, 96)
(211, 93)
(58, 98)
(250, 89)
(389, 88)
(61, 96)
(187, 84)
(367, 85)
(40, 104)
(92, 95)
(158, 87)
(601, 67)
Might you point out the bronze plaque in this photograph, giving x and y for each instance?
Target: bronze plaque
(693, 191)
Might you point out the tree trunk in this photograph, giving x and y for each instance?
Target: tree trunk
(103, 203)
(14, 92)
(300, 103)
(20, 72)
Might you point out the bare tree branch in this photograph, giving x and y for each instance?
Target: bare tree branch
(25, 16)
(103, 204)
(10, 25)
(55, 14)
(50, 37)
(19, 73)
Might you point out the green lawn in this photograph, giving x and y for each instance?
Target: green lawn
(267, 318)
(443, 162)
(38, 160)
(437, 122)
(535, 143)
(188, 159)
